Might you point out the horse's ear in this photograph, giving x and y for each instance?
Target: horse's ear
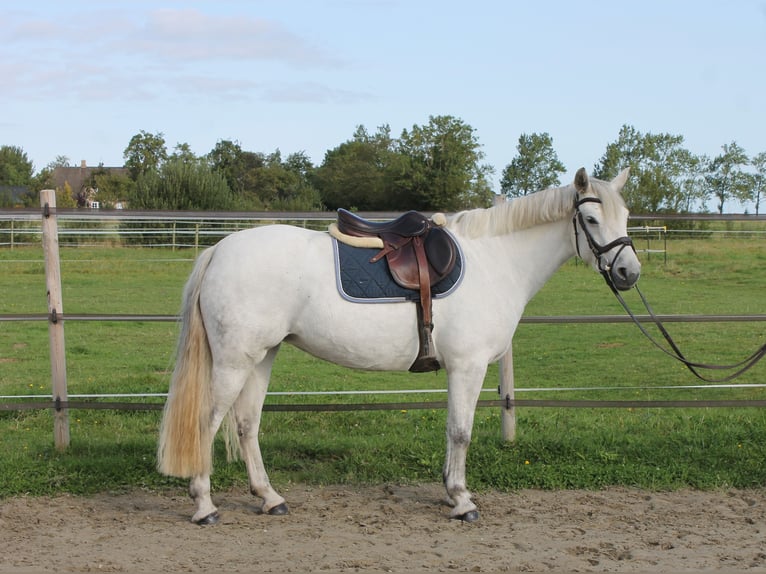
(581, 180)
(622, 177)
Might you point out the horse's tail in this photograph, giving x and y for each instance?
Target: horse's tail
(185, 448)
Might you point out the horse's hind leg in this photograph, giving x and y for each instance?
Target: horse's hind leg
(227, 382)
(247, 414)
(199, 487)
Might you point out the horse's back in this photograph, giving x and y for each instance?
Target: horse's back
(264, 270)
(278, 245)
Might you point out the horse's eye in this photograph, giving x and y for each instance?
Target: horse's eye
(592, 220)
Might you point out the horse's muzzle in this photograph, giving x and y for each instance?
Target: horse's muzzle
(624, 277)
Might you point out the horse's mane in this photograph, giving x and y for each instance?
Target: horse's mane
(546, 206)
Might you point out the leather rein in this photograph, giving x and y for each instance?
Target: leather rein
(674, 352)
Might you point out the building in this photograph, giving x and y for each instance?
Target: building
(80, 180)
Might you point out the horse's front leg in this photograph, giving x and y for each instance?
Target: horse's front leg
(464, 389)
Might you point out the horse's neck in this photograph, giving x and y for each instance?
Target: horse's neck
(534, 254)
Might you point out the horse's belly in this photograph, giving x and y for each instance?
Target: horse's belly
(362, 336)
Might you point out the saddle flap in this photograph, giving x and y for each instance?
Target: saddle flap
(440, 251)
(403, 265)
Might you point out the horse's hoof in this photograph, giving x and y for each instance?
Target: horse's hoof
(209, 520)
(470, 516)
(278, 510)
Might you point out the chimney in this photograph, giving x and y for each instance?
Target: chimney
(83, 164)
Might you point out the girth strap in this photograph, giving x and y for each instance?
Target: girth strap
(425, 281)
(426, 359)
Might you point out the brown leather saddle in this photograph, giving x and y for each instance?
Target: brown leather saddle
(419, 254)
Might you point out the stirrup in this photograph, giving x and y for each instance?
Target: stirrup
(425, 364)
(426, 361)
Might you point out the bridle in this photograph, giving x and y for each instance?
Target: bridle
(605, 269)
(597, 249)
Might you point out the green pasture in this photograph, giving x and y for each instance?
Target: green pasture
(555, 447)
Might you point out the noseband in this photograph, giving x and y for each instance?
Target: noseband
(597, 249)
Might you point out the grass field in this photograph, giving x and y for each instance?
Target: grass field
(555, 447)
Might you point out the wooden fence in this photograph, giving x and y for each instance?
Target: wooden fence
(507, 402)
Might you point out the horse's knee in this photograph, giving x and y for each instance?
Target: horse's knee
(459, 436)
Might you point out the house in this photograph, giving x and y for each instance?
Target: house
(79, 180)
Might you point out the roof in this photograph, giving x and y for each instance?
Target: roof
(77, 177)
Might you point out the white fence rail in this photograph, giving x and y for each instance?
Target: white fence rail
(180, 230)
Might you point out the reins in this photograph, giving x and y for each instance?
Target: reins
(675, 353)
(741, 366)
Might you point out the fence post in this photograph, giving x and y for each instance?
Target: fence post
(50, 241)
(505, 387)
(506, 390)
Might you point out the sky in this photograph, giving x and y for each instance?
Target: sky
(79, 79)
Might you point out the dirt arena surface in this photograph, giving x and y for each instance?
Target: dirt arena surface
(389, 529)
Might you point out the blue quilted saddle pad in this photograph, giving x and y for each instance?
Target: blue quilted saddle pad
(363, 282)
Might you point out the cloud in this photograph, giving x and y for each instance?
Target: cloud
(141, 56)
(183, 35)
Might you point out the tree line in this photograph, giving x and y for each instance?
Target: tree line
(434, 167)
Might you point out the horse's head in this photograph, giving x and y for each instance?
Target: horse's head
(601, 229)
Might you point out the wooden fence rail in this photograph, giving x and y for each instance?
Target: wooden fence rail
(506, 401)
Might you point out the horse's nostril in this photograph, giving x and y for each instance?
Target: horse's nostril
(624, 278)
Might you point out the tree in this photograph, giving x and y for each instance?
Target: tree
(442, 171)
(16, 169)
(275, 184)
(239, 168)
(535, 167)
(224, 154)
(694, 188)
(726, 178)
(759, 180)
(429, 168)
(290, 186)
(17, 184)
(64, 197)
(184, 153)
(113, 188)
(60, 161)
(659, 167)
(145, 153)
(181, 186)
(355, 174)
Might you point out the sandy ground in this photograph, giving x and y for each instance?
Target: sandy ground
(389, 528)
